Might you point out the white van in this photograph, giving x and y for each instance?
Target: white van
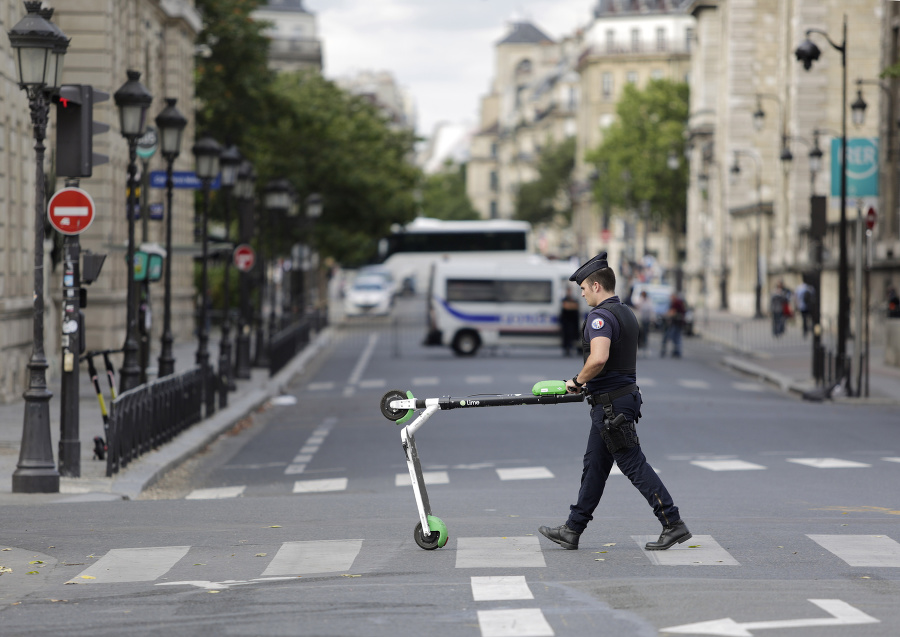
(482, 302)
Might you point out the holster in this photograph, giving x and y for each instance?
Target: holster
(618, 434)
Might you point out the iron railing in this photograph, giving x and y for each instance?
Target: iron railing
(290, 340)
(143, 418)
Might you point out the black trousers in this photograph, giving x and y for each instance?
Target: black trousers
(598, 462)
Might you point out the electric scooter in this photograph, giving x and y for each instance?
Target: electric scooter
(431, 532)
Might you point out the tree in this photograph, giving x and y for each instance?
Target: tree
(633, 159)
(539, 201)
(444, 194)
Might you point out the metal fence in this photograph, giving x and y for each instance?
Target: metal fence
(290, 340)
(150, 415)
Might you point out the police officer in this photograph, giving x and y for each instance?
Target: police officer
(609, 339)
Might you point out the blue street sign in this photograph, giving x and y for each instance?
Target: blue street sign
(180, 179)
(156, 211)
(862, 167)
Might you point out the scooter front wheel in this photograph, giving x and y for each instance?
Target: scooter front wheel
(434, 540)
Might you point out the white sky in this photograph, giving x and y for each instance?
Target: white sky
(442, 51)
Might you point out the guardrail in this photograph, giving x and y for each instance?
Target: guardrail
(143, 418)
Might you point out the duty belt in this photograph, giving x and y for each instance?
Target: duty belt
(606, 398)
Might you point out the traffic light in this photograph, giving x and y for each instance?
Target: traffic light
(75, 130)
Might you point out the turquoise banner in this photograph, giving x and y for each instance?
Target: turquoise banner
(862, 167)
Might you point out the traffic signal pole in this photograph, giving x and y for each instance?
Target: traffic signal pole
(72, 346)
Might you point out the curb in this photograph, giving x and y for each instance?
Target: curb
(147, 469)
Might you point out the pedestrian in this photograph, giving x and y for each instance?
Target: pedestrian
(609, 347)
(805, 295)
(893, 302)
(646, 316)
(568, 321)
(777, 305)
(674, 325)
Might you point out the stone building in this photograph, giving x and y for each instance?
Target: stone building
(295, 43)
(157, 38)
(753, 106)
(382, 90)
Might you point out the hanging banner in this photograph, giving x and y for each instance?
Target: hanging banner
(862, 167)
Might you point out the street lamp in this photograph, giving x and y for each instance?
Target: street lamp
(230, 160)
(132, 100)
(171, 124)
(735, 173)
(277, 198)
(206, 152)
(244, 190)
(807, 53)
(39, 48)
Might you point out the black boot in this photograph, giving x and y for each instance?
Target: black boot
(671, 534)
(562, 535)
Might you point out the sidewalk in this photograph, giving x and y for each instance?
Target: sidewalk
(141, 473)
(786, 361)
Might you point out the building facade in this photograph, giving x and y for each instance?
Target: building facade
(157, 38)
(383, 91)
(295, 44)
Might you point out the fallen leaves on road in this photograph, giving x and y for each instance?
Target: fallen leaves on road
(260, 555)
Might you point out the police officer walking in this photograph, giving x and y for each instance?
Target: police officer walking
(609, 338)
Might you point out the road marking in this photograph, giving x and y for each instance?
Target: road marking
(304, 456)
(706, 552)
(842, 614)
(693, 384)
(217, 493)
(754, 387)
(319, 556)
(372, 383)
(132, 565)
(727, 465)
(479, 380)
(360, 365)
(861, 550)
(615, 471)
(320, 486)
(524, 473)
(499, 552)
(520, 622)
(431, 477)
(647, 382)
(827, 463)
(294, 469)
(307, 448)
(421, 381)
(892, 459)
(284, 400)
(500, 588)
(323, 386)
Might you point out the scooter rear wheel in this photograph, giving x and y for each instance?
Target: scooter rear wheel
(434, 540)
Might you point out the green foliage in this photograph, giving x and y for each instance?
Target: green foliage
(539, 201)
(632, 160)
(444, 194)
(891, 71)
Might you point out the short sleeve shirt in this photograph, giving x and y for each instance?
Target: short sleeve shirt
(602, 322)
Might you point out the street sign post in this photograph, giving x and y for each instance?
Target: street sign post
(71, 211)
(244, 257)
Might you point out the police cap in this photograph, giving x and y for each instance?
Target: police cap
(591, 266)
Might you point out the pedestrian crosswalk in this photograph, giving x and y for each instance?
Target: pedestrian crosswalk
(513, 474)
(164, 565)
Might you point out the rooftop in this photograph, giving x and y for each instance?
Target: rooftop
(525, 33)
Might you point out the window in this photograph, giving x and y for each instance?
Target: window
(523, 69)
(635, 40)
(471, 290)
(494, 181)
(490, 291)
(631, 77)
(494, 149)
(656, 74)
(607, 85)
(493, 209)
(525, 291)
(610, 41)
(661, 39)
(688, 38)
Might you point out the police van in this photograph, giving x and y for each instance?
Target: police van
(478, 302)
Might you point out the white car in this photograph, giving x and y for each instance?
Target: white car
(369, 295)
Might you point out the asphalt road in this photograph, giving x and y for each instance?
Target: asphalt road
(300, 520)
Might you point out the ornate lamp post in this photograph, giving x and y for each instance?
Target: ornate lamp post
(230, 162)
(132, 100)
(277, 202)
(807, 53)
(171, 124)
(244, 190)
(39, 49)
(206, 151)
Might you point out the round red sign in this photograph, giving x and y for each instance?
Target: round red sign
(71, 210)
(244, 257)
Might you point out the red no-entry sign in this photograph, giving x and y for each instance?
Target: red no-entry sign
(71, 210)
(244, 257)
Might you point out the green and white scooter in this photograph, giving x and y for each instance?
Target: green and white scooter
(431, 532)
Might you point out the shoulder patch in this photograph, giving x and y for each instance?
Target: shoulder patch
(597, 323)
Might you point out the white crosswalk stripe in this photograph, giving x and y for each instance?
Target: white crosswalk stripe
(323, 386)
(322, 556)
(422, 381)
(132, 565)
(891, 459)
(700, 550)
(524, 473)
(320, 486)
(861, 550)
(727, 465)
(828, 463)
(519, 622)
(495, 588)
(217, 493)
(373, 383)
(479, 380)
(751, 387)
(499, 552)
(431, 477)
(688, 383)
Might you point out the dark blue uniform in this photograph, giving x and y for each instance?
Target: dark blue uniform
(618, 373)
